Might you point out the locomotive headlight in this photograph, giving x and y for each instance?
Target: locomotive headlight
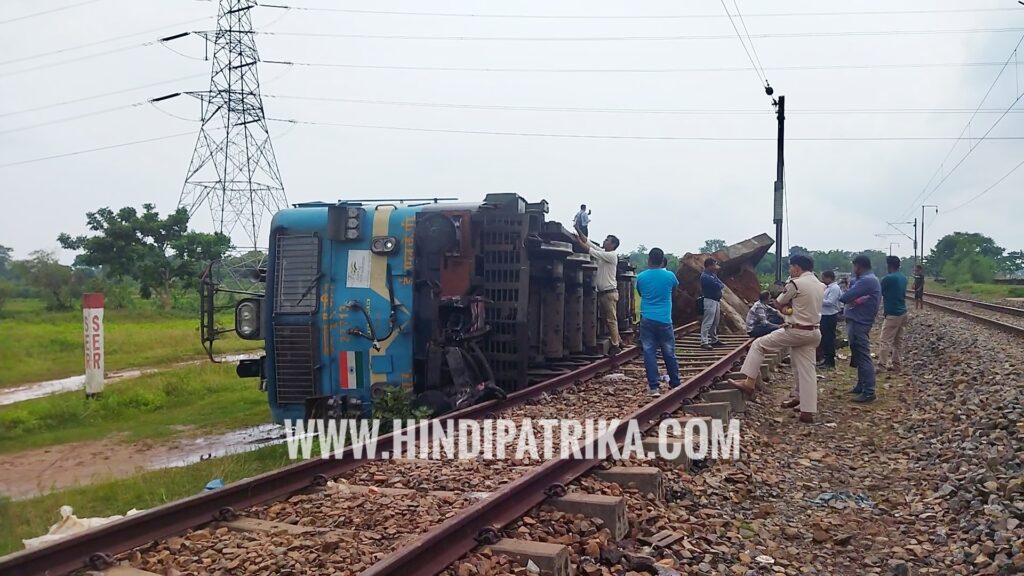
(247, 319)
(384, 245)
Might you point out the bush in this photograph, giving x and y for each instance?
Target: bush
(967, 269)
(6, 293)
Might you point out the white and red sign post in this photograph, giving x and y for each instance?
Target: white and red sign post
(92, 313)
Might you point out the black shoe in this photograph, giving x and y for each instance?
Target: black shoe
(707, 347)
(855, 390)
(614, 350)
(718, 344)
(862, 399)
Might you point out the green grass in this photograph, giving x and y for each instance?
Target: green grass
(208, 396)
(33, 517)
(40, 345)
(983, 291)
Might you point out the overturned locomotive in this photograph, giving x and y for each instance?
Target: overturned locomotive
(458, 302)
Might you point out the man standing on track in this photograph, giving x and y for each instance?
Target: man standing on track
(607, 284)
(918, 287)
(711, 289)
(655, 286)
(801, 307)
(862, 301)
(829, 319)
(894, 298)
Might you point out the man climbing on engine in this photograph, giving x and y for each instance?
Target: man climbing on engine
(607, 285)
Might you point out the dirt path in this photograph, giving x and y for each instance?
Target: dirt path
(33, 472)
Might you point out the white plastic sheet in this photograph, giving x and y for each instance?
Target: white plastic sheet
(69, 524)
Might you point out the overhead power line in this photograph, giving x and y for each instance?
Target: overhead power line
(607, 110)
(77, 59)
(103, 41)
(97, 149)
(97, 96)
(757, 70)
(860, 33)
(634, 16)
(623, 136)
(924, 191)
(70, 118)
(50, 11)
(987, 190)
(630, 70)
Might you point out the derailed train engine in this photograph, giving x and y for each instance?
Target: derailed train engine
(457, 302)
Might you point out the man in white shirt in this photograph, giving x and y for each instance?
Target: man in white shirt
(829, 319)
(607, 285)
(582, 220)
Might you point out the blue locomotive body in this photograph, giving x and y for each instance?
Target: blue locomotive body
(455, 302)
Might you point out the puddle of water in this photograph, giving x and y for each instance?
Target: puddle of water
(24, 392)
(196, 450)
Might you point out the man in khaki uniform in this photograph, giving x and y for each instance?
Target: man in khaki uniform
(607, 284)
(800, 304)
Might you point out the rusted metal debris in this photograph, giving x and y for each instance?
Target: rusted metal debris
(742, 286)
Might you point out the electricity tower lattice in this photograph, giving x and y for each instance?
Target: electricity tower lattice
(233, 170)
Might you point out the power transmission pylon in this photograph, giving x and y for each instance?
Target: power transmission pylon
(233, 169)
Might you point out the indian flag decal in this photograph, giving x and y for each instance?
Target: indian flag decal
(352, 370)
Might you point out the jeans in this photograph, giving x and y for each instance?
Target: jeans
(762, 330)
(828, 338)
(709, 324)
(860, 353)
(656, 336)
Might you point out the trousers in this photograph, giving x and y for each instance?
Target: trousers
(802, 344)
(891, 338)
(654, 337)
(709, 323)
(828, 338)
(762, 330)
(609, 303)
(860, 356)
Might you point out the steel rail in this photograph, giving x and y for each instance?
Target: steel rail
(79, 551)
(440, 547)
(1008, 310)
(1003, 326)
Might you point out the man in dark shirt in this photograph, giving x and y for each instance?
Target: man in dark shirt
(711, 289)
(862, 301)
(894, 296)
(918, 287)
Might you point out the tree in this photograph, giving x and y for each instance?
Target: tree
(766, 267)
(960, 245)
(158, 253)
(1012, 264)
(969, 268)
(712, 245)
(59, 285)
(5, 261)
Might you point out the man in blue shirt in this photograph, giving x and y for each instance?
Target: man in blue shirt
(655, 286)
(862, 301)
(894, 298)
(829, 319)
(582, 220)
(711, 289)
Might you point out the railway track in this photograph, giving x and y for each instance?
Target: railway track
(402, 517)
(1005, 318)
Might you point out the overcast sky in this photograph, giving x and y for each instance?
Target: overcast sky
(668, 193)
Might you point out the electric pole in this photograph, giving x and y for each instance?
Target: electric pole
(779, 186)
(234, 170)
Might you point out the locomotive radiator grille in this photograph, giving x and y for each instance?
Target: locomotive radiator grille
(293, 363)
(296, 297)
(506, 283)
(297, 265)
